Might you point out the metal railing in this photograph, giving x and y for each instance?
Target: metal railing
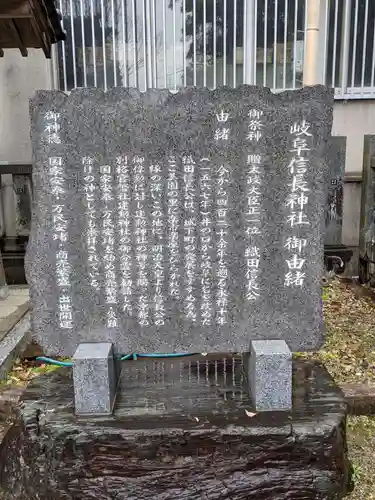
(350, 60)
(175, 43)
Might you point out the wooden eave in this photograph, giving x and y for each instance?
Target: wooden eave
(29, 24)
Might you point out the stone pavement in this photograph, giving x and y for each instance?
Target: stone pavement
(13, 308)
(14, 326)
(18, 295)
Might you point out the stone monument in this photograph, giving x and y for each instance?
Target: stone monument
(337, 255)
(367, 226)
(181, 224)
(334, 207)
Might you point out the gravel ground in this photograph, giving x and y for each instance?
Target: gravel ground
(349, 356)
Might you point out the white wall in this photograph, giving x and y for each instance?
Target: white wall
(353, 119)
(19, 78)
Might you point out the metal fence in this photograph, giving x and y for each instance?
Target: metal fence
(175, 43)
(350, 48)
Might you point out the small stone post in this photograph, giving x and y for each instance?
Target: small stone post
(4, 290)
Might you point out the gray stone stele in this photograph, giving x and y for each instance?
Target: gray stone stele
(270, 375)
(23, 192)
(95, 379)
(334, 209)
(155, 126)
(367, 232)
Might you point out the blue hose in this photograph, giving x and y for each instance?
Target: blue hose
(172, 355)
(55, 362)
(126, 357)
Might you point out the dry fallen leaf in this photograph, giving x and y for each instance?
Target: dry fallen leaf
(250, 414)
(348, 351)
(191, 417)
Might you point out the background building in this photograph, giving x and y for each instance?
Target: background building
(174, 43)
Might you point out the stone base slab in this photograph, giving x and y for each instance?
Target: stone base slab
(180, 430)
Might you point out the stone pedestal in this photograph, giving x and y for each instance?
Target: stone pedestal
(180, 430)
(270, 375)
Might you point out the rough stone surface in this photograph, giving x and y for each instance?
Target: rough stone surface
(181, 432)
(367, 234)
(95, 379)
(360, 398)
(213, 137)
(334, 207)
(270, 375)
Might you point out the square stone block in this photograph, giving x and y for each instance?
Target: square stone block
(270, 375)
(95, 379)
